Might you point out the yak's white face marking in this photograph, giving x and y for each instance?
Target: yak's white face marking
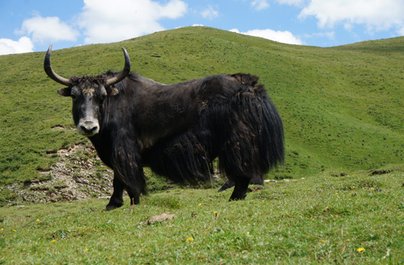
(86, 105)
(88, 91)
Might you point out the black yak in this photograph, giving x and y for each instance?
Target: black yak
(177, 130)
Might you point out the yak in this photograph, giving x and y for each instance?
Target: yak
(177, 129)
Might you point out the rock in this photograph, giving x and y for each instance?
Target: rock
(160, 218)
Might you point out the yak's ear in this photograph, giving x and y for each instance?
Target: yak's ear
(113, 91)
(66, 92)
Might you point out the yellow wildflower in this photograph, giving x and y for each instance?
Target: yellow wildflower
(189, 239)
(360, 250)
(53, 241)
(216, 214)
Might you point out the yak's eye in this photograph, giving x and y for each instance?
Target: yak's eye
(73, 96)
(74, 93)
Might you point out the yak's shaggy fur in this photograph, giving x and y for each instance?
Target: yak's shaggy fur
(178, 130)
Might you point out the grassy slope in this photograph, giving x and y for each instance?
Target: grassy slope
(323, 220)
(342, 107)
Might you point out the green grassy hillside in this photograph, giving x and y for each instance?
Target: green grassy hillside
(353, 219)
(342, 107)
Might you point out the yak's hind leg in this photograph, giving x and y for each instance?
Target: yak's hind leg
(239, 159)
(240, 188)
(227, 185)
(253, 136)
(230, 183)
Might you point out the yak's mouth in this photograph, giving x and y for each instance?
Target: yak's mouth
(87, 134)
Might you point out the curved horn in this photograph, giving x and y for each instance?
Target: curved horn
(49, 71)
(123, 74)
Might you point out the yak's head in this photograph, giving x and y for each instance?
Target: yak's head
(88, 94)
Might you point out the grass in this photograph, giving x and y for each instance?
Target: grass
(352, 218)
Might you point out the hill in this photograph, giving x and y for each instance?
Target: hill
(342, 107)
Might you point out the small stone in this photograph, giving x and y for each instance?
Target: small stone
(160, 218)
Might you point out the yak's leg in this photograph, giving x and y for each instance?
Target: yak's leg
(116, 199)
(134, 196)
(127, 167)
(134, 191)
(132, 186)
(240, 188)
(230, 183)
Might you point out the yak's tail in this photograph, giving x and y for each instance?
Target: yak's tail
(272, 137)
(255, 139)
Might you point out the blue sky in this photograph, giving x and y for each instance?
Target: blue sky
(31, 25)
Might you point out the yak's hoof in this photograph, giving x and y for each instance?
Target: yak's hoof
(237, 198)
(112, 206)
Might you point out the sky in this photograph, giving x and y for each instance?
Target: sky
(32, 25)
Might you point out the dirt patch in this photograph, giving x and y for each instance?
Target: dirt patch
(78, 174)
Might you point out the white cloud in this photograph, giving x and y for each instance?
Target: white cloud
(400, 31)
(210, 13)
(290, 2)
(279, 36)
(47, 29)
(104, 21)
(8, 46)
(376, 15)
(260, 4)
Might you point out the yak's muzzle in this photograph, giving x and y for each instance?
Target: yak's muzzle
(88, 127)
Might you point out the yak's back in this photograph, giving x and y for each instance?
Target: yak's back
(246, 79)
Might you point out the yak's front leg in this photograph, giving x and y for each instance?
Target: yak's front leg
(134, 196)
(134, 191)
(116, 199)
(127, 169)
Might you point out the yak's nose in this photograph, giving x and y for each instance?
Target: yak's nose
(89, 128)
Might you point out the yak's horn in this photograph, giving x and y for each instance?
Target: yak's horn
(49, 71)
(123, 74)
